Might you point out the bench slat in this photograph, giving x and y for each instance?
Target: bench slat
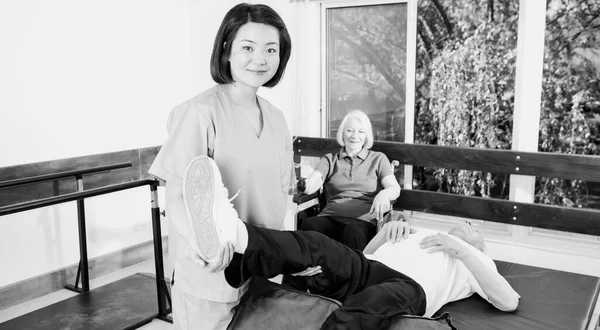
(582, 221)
(552, 165)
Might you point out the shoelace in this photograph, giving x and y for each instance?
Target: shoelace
(232, 198)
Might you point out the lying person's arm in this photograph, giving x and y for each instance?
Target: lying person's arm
(391, 232)
(496, 288)
(498, 291)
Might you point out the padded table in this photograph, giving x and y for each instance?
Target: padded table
(550, 300)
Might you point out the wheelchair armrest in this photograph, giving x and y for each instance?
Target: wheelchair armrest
(303, 198)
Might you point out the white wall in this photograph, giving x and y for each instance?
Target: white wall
(79, 78)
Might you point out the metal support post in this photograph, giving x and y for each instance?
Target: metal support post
(162, 293)
(83, 268)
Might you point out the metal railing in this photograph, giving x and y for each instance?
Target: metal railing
(79, 196)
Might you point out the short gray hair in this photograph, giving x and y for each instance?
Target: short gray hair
(363, 119)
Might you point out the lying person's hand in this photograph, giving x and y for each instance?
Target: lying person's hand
(395, 231)
(310, 271)
(381, 204)
(443, 243)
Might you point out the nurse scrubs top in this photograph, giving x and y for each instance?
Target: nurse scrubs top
(259, 165)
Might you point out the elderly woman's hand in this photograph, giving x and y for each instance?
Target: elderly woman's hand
(381, 204)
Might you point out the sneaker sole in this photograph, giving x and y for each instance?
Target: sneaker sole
(199, 186)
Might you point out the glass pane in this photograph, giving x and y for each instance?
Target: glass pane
(570, 113)
(366, 67)
(465, 82)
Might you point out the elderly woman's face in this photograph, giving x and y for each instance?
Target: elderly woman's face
(355, 134)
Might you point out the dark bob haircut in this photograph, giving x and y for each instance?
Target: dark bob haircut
(235, 18)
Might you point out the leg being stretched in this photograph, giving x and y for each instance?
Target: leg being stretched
(259, 251)
(386, 294)
(271, 252)
(324, 225)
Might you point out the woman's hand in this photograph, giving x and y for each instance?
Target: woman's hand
(395, 231)
(223, 259)
(310, 271)
(381, 204)
(445, 244)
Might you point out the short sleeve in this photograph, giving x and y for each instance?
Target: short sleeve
(190, 134)
(324, 166)
(385, 167)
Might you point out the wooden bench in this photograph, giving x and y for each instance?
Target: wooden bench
(550, 299)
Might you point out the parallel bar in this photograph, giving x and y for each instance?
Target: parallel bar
(85, 276)
(552, 165)
(72, 196)
(161, 291)
(61, 175)
(582, 221)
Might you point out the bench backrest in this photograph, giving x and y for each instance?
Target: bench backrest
(583, 221)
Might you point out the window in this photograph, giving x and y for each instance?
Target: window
(570, 111)
(366, 65)
(465, 87)
(465, 83)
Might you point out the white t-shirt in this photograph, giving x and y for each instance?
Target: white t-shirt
(443, 278)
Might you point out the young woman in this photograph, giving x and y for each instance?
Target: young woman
(248, 139)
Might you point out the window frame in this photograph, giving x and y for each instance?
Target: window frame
(411, 50)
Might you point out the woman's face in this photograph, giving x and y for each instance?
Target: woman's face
(355, 134)
(254, 57)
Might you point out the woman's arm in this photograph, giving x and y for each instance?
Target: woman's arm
(382, 201)
(313, 182)
(391, 187)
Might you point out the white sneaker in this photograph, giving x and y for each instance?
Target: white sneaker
(208, 207)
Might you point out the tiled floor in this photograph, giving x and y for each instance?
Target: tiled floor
(24, 308)
(144, 267)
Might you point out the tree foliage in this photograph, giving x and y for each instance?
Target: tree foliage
(467, 82)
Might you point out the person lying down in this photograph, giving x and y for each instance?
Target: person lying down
(397, 274)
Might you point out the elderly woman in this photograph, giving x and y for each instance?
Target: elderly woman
(359, 185)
